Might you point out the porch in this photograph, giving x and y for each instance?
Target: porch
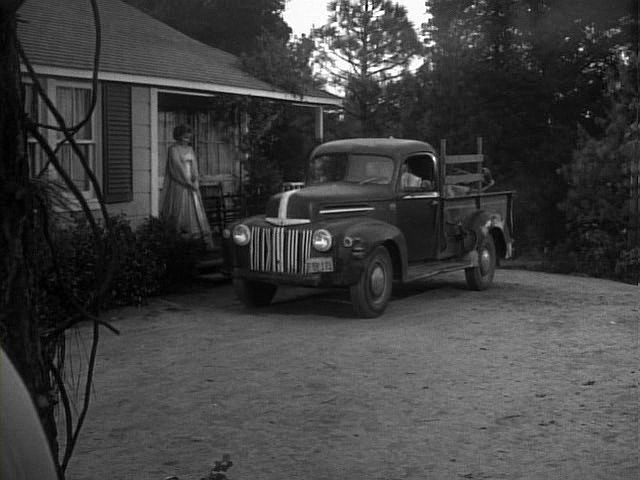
(221, 126)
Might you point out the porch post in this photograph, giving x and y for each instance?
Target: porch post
(319, 123)
(155, 187)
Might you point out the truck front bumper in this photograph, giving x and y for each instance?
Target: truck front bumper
(345, 277)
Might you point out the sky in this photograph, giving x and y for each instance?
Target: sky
(301, 15)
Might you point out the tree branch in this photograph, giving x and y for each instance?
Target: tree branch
(87, 396)
(66, 178)
(66, 405)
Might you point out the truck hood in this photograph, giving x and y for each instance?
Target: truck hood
(325, 201)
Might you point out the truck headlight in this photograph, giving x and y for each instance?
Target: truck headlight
(241, 234)
(322, 240)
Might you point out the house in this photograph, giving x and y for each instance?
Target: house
(151, 78)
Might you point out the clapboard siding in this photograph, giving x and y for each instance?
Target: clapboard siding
(117, 147)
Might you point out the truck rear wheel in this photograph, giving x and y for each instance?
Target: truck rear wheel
(371, 294)
(481, 277)
(254, 294)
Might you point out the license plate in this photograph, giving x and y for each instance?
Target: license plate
(319, 264)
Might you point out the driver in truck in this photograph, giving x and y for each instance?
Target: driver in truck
(408, 179)
(411, 181)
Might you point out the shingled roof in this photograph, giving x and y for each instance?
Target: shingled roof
(58, 37)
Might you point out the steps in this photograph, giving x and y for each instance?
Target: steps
(211, 262)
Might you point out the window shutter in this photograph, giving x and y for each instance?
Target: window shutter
(116, 143)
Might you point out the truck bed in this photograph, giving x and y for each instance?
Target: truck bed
(456, 209)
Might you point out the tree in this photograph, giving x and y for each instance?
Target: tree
(279, 136)
(20, 334)
(283, 64)
(34, 341)
(601, 178)
(522, 74)
(365, 45)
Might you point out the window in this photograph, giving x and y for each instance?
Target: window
(417, 173)
(32, 108)
(214, 140)
(352, 168)
(73, 100)
(73, 103)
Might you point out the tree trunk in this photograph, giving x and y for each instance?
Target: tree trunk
(20, 334)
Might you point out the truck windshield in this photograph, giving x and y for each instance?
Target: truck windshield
(352, 168)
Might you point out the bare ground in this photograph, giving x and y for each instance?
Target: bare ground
(536, 378)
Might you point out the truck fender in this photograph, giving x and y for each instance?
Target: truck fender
(367, 235)
(480, 224)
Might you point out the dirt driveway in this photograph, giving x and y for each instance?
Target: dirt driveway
(535, 379)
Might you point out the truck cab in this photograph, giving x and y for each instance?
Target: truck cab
(373, 211)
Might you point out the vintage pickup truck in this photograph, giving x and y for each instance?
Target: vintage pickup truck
(373, 211)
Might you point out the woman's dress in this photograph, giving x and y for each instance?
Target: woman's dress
(182, 204)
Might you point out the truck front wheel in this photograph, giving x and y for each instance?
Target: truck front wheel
(254, 294)
(481, 277)
(371, 294)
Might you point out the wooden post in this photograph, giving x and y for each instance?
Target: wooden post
(442, 172)
(155, 168)
(479, 164)
(633, 232)
(319, 124)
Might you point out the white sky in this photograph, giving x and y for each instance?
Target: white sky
(301, 15)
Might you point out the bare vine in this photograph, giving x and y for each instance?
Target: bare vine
(53, 339)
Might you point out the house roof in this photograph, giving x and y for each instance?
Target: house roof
(58, 37)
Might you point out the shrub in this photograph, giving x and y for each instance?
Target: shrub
(599, 176)
(148, 261)
(560, 259)
(628, 265)
(161, 250)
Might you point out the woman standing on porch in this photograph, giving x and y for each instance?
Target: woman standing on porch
(182, 204)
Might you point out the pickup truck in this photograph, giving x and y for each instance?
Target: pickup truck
(373, 211)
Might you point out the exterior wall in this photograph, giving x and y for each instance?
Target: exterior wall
(147, 152)
(140, 208)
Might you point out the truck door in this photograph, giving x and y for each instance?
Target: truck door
(417, 205)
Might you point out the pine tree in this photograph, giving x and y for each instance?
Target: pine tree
(365, 45)
(601, 176)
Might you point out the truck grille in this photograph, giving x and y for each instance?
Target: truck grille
(279, 249)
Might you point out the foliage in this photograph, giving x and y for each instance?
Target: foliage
(365, 45)
(600, 177)
(219, 470)
(523, 75)
(277, 142)
(149, 260)
(220, 467)
(628, 266)
(279, 137)
(264, 172)
(167, 259)
(283, 64)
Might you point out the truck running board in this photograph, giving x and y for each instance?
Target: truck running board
(424, 270)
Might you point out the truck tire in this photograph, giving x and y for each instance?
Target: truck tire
(481, 277)
(254, 294)
(371, 294)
